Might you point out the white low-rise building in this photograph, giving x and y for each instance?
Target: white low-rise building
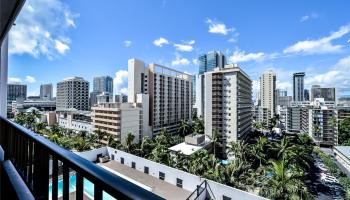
(192, 144)
(76, 120)
(165, 181)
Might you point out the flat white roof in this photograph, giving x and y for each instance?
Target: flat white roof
(188, 149)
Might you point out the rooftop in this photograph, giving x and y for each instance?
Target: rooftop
(188, 149)
(150, 183)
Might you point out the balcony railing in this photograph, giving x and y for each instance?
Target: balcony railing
(37, 159)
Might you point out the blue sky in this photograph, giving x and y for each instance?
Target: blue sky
(54, 39)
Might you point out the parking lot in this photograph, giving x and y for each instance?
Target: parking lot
(325, 185)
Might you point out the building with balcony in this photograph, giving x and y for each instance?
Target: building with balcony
(206, 62)
(120, 119)
(261, 115)
(268, 91)
(228, 104)
(169, 92)
(323, 127)
(72, 92)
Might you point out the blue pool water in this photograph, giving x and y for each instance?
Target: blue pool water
(88, 188)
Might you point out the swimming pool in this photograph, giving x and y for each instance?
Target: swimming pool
(88, 188)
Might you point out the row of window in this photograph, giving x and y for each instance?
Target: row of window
(161, 175)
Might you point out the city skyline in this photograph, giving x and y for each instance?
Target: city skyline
(317, 46)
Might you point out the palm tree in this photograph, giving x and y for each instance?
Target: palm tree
(160, 154)
(100, 135)
(216, 139)
(198, 126)
(199, 162)
(259, 150)
(129, 140)
(146, 146)
(184, 127)
(238, 150)
(282, 182)
(111, 141)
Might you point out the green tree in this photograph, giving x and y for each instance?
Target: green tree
(344, 131)
(282, 182)
(259, 150)
(184, 127)
(129, 140)
(146, 146)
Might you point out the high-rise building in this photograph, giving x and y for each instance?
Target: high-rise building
(268, 90)
(281, 93)
(298, 86)
(261, 115)
(328, 94)
(15, 91)
(170, 93)
(72, 93)
(207, 62)
(306, 95)
(46, 91)
(322, 125)
(228, 104)
(103, 84)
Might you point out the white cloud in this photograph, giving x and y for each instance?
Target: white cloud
(338, 76)
(195, 61)
(185, 47)
(61, 47)
(320, 46)
(284, 85)
(309, 17)
(40, 24)
(127, 43)
(160, 42)
(180, 61)
(120, 82)
(30, 79)
(218, 27)
(14, 80)
(241, 56)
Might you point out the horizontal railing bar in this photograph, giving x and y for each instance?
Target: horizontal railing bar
(107, 181)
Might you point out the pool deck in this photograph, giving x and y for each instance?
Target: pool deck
(159, 187)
